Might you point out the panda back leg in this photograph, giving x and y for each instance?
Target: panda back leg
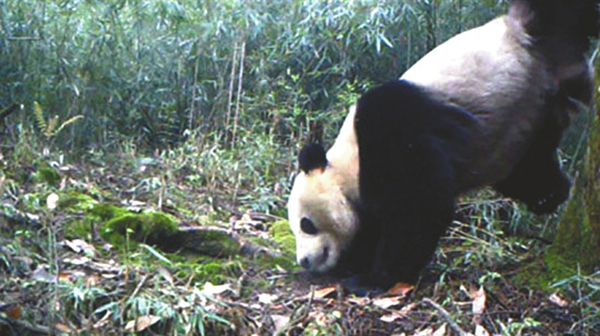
(537, 180)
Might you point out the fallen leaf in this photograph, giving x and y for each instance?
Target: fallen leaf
(387, 302)
(441, 331)
(40, 274)
(424, 332)
(78, 261)
(554, 298)
(52, 201)
(318, 316)
(80, 245)
(398, 314)
(280, 321)
(211, 290)
(361, 301)
(63, 327)
(167, 275)
(479, 301)
(141, 323)
(391, 317)
(481, 331)
(401, 288)
(266, 298)
(323, 292)
(103, 321)
(92, 280)
(13, 312)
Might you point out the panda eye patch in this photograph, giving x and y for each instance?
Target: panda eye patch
(307, 226)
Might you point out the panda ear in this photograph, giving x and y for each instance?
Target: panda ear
(312, 156)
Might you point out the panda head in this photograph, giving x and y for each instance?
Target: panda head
(321, 215)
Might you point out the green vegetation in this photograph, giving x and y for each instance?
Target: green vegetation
(146, 154)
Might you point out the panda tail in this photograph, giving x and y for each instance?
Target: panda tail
(560, 29)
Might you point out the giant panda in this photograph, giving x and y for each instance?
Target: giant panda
(486, 108)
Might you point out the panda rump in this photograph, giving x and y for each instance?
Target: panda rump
(487, 107)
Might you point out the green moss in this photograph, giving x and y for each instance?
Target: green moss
(204, 268)
(283, 235)
(106, 211)
(76, 201)
(149, 227)
(212, 243)
(48, 175)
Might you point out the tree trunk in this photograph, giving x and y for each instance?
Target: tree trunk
(577, 243)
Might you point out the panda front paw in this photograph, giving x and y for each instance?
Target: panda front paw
(551, 201)
(367, 285)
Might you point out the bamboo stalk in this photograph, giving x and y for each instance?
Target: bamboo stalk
(239, 92)
(231, 86)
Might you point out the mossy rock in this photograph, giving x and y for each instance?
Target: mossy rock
(150, 227)
(283, 235)
(48, 175)
(76, 201)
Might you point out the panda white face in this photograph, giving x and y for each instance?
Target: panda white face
(322, 219)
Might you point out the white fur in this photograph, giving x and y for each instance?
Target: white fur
(489, 72)
(325, 196)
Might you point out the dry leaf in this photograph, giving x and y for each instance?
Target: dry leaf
(554, 298)
(167, 275)
(361, 301)
(398, 314)
(40, 274)
(323, 293)
(481, 331)
(141, 323)
(388, 302)
(479, 301)
(401, 288)
(280, 321)
(80, 245)
(211, 290)
(391, 317)
(266, 298)
(13, 311)
(424, 332)
(52, 201)
(63, 327)
(92, 280)
(441, 331)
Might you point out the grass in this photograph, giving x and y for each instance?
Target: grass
(57, 280)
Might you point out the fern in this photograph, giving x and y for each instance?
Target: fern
(49, 128)
(39, 116)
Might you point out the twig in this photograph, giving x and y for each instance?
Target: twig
(447, 317)
(292, 322)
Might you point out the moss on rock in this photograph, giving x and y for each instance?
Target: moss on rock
(151, 227)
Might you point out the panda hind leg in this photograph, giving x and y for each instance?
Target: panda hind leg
(538, 182)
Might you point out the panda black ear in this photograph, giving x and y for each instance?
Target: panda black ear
(312, 156)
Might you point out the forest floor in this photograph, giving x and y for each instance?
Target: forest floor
(125, 244)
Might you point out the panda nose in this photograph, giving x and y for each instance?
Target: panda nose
(305, 262)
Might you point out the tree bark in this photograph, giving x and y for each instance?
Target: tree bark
(577, 244)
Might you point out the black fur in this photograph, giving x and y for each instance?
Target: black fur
(312, 156)
(560, 28)
(407, 143)
(537, 179)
